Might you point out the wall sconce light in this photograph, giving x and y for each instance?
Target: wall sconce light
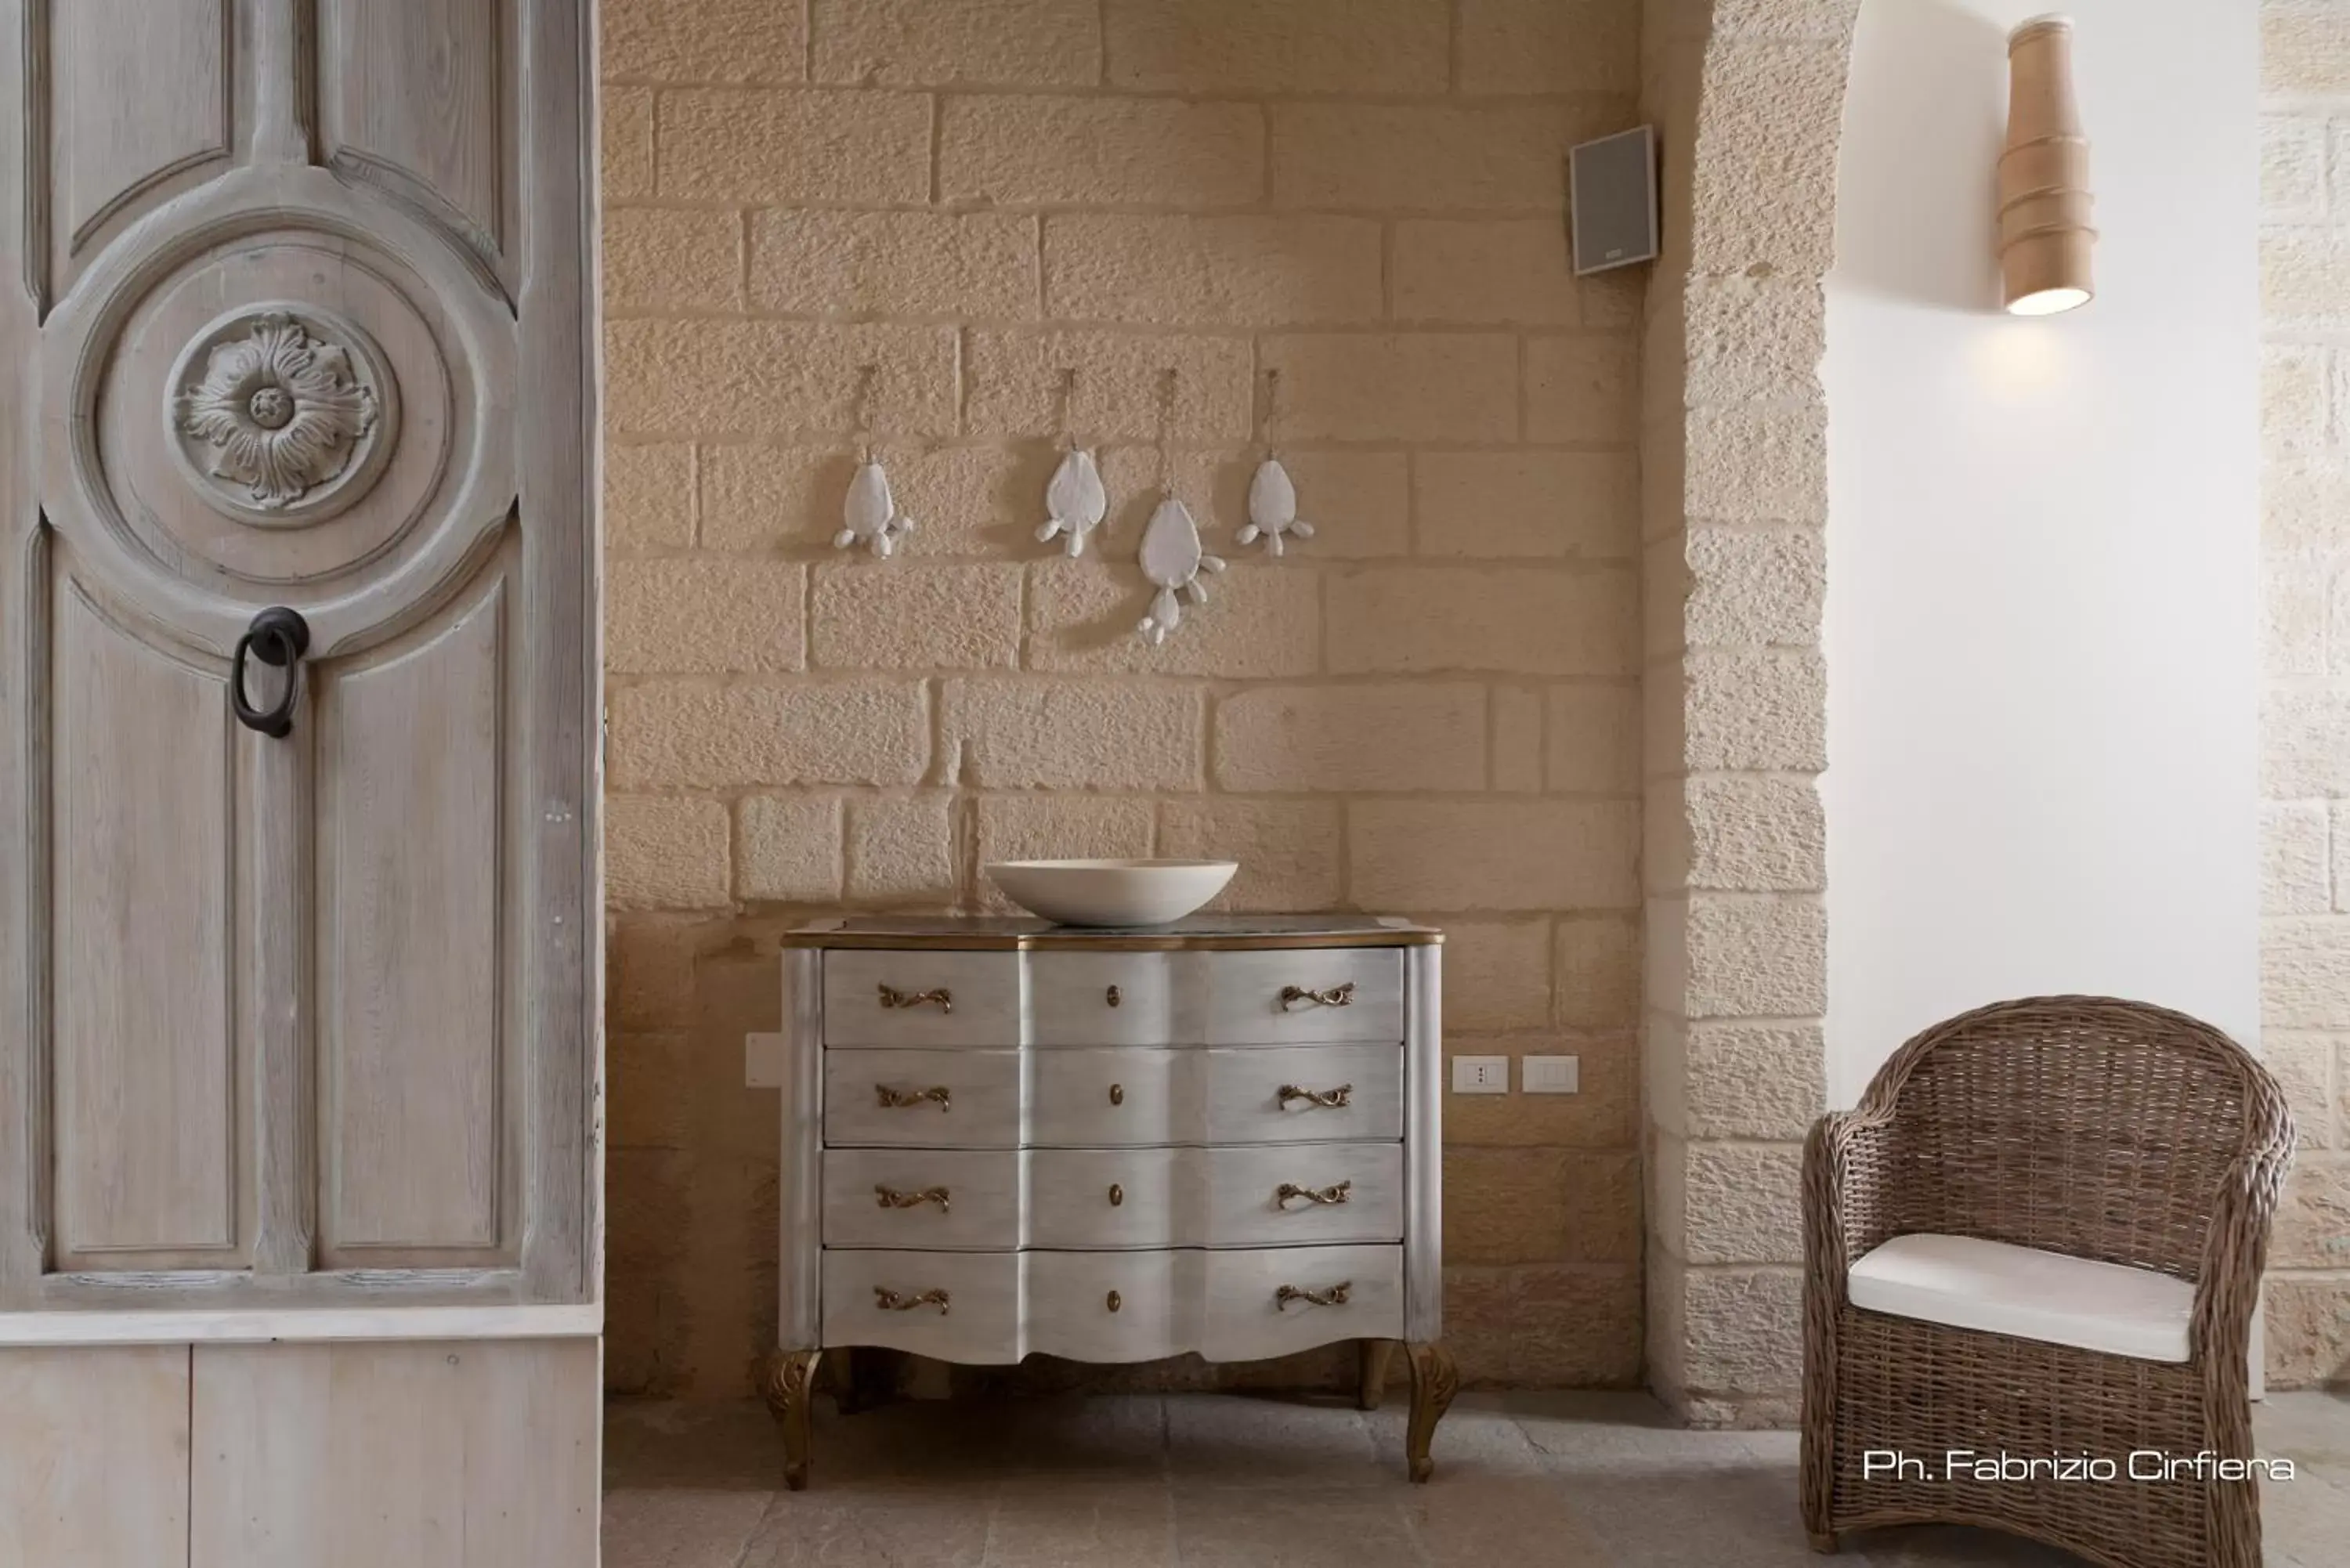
(2044, 238)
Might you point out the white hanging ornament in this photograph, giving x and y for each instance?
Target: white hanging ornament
(1074, 502)
(1272, 508)
(870, 517)
(1173, 559)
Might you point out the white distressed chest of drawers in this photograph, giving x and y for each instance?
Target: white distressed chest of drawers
(1003, 1138)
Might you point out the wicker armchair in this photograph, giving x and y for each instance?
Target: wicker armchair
(2098, 1129)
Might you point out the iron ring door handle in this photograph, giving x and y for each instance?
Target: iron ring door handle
(278, 637)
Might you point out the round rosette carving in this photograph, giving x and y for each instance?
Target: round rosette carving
(282, 413)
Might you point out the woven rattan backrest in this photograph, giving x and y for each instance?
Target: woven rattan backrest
(2083, 1125)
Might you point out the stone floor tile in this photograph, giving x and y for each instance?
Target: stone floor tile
(1950, 1546)
(1237, 1440)
(1498, 1522)
(1057, 1521)
(1705, 1516)
(1296, 1526)
(914, 1441)
(2306, 1522)
(2311, 1426)
(1781, 1447)
(941, 1526)
(730, 1447)
(676, 1527)
(1627, 1435)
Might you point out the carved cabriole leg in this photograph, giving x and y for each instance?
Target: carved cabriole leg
(1434, 1381)
(1373, 1355)
(791, 1384)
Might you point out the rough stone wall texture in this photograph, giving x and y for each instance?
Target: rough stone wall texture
(1747, 96)
(2305, 722)
(1432, 707)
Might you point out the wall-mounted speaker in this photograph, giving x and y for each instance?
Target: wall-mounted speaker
(1611, 198)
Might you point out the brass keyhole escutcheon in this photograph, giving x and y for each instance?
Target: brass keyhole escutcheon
(1118, 1094)
(1116, 1195)
(1114, 997)
(1116, 1301)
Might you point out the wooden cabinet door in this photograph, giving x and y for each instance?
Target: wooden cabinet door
(94, 1446)
(298, 952)
(460, 1454)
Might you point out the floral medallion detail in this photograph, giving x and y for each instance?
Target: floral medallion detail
(282, 414)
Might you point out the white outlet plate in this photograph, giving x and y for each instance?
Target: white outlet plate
(763, 1061)
(1551, 1074)
(1481, 1075)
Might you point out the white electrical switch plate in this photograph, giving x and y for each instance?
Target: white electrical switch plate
(1481, 1075)
(1553, 1075)
(763, 1061)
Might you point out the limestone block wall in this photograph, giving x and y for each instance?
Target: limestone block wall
(1431, 708)
(2305, 724)
(1749, 97)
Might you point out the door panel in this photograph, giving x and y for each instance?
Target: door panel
(456, 1454)
(149, 1156)
(168, 57)
(94, 1457)
(306, 1013)
(417, 96)
(413, 850)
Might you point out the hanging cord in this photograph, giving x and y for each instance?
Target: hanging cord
(861, 414)
(1166, 420)
(1064, 399)
(1266, 432)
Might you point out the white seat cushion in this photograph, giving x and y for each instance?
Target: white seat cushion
(2024, 1292)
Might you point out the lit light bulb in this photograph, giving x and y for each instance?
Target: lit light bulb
(2048, 302)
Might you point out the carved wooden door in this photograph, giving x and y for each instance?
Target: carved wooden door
(299, 665)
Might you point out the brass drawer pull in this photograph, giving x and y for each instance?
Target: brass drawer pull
(1115, 1301)
(1334, 1296)
(888, 1300)
(890, 1197)
(942, 998)
(1116, 1195)
(1289, 1189)
(1333, 1100)
(1336, 996)
(1113, 998)
(1118, 1094)
(898, 1099)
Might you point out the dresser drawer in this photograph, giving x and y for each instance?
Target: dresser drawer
(1214, 1197)
(1113, 999)
(1299, 996)
(1115, 1306)
(877, 997)
(1249, 1319)
(877, 1298)
(1097, 1098)
(1112, 1097)
(981, 1199)
(923, 1099)
(1236, 998)
(1222, 1305)
(1001, 1306)
(956, 1198)
(916, 998)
